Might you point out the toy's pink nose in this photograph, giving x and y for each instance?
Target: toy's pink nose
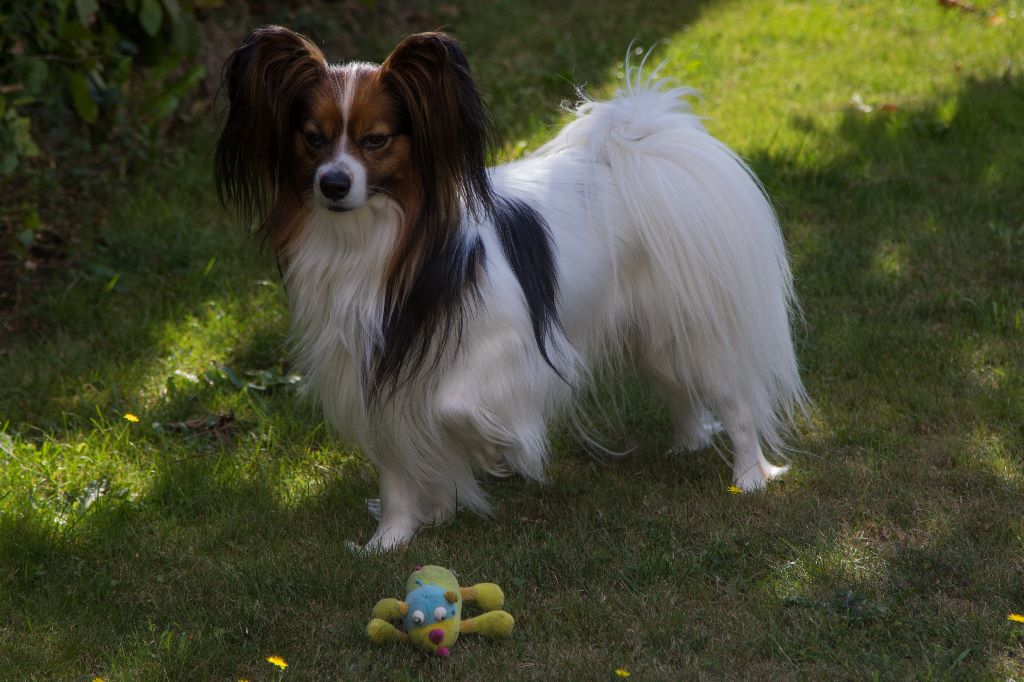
(436, 635)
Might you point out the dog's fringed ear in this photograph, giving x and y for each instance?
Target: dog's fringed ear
(266, 80)
(446, 121)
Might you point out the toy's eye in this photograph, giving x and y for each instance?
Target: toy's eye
(417, 617)
(440, 613)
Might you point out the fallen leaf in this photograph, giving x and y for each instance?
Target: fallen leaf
(217, 425)
(959, 4)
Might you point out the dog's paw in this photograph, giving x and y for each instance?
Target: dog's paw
(699, 436)
(373, 506)
(390, 536)
(757, 477)
(374, 546)
(387, 542)
(355, 548)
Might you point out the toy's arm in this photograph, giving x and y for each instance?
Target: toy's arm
(389, 609)
(490, 624)
(487, 596)
(380, 631)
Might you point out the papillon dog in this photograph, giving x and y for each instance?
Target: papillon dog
(444, 312)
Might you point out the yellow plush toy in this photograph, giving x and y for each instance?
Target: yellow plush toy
(431, 615)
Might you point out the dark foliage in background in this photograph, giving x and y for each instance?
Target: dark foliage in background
(95, 91)
(86, 87)
(83, 56)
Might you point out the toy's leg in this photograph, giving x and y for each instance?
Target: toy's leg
(380, 631)
(389, 608)
(404, 507)
(750, 470)
(487, 596)
(490, 624)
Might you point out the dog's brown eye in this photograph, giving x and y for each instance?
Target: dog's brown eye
(314, 139)
(373, 141)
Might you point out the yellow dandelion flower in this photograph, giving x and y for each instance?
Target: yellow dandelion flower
(130, 417)
(278, 661)
(1015, 617)
(734, 490)
(98, 679)
(622, 672)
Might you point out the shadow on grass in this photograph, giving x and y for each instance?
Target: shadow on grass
(909, 247)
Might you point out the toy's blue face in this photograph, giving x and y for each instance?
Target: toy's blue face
(427, 605)
(431, 621)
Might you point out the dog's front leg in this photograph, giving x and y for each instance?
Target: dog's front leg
(399, 512)
(405, 506)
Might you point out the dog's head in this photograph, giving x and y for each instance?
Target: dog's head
(304, 135)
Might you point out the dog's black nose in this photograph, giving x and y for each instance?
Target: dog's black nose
(335, 185)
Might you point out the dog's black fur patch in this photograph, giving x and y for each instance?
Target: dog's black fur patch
(526, 242)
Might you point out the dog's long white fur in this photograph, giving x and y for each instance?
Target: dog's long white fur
(667, 250)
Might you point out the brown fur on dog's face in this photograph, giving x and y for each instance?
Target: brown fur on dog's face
(351, 125)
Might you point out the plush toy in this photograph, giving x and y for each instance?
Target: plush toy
(431, 615)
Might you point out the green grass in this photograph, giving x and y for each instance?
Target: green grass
(895, 548)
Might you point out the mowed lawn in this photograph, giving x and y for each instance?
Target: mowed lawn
(211, 533)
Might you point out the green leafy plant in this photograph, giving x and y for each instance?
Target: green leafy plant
(82, 56)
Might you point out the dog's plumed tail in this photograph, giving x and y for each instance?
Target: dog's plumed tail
(713, 318)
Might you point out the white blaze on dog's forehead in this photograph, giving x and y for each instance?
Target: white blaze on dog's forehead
(345, 87)
(346, 98)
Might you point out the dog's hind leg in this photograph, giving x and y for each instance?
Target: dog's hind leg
(750, 469)
(693, 423)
